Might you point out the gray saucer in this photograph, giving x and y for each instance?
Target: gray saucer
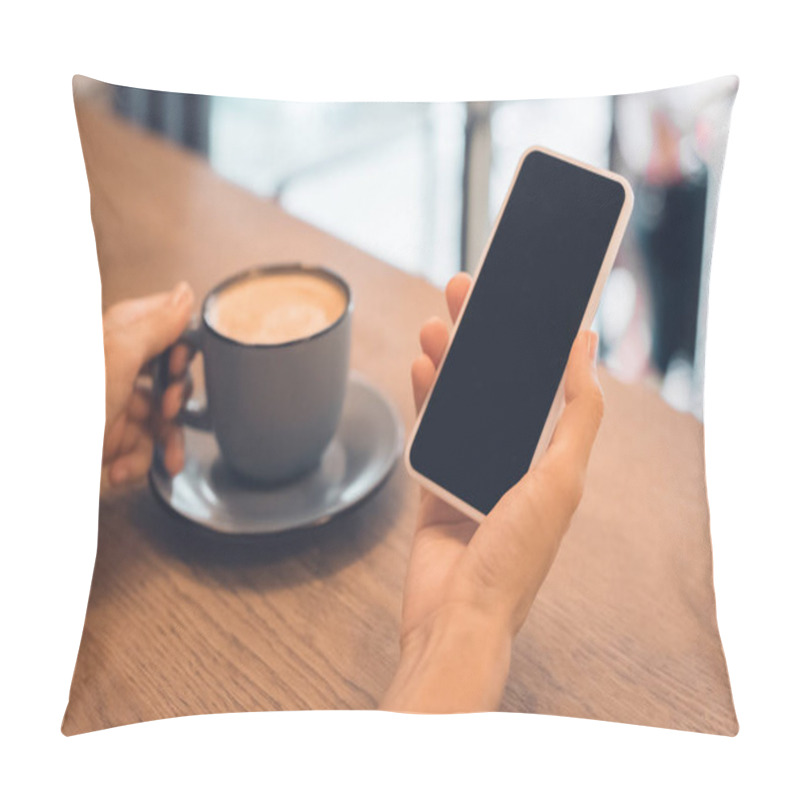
(363, 451)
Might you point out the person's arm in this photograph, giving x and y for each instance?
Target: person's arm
(469, 588)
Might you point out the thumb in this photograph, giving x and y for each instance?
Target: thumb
(162, 322)
(520, 537)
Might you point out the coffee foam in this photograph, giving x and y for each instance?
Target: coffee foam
(273, 309)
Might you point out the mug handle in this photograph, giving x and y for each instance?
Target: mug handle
(193, 414)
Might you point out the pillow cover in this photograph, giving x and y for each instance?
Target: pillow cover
(193, 609)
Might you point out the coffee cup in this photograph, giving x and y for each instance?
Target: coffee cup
(275, 342)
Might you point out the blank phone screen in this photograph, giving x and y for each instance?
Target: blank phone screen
(495, 389)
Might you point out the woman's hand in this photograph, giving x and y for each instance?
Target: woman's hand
(135, 331)
(469, 588)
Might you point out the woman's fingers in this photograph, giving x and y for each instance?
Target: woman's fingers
(133, 432)
(434, 334)
(159, 325)
(175, 395)
(134, 464)
(125, 312)
(173, 449)
(433, 338)
(422, 374)
(456, 293)
(178, 360)
(139, 406)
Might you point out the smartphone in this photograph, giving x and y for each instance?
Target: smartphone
(498, 391)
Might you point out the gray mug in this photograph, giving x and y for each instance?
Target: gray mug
(273, 408)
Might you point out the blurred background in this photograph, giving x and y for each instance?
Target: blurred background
(419, 185)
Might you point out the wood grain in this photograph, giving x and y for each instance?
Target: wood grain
(181, 622)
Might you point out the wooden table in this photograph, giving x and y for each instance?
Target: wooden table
(179, 622)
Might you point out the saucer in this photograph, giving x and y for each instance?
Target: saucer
(363, 451)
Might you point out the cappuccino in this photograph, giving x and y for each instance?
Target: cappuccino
(276, 308)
